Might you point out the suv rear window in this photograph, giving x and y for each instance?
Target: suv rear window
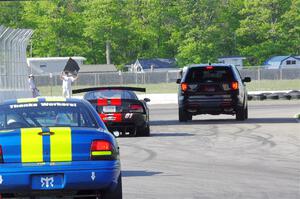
(209, 74)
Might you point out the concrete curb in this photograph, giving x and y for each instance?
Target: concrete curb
(252, 95)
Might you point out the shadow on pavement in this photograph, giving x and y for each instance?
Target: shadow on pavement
(139, 173)
(225, 121)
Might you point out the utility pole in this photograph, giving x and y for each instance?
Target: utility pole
(30, 48)
(108, 50)
(234, 39)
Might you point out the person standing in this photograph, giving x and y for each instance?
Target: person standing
(35, 92)
(67, 84)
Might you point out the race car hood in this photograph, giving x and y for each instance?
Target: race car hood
(53, 144)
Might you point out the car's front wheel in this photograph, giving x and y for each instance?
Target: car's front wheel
(114, 194)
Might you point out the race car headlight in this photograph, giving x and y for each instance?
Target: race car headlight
(1, 154)
(103, 150)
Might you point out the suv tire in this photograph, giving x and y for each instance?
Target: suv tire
(240, 114)
(183, 115)
(246, 112)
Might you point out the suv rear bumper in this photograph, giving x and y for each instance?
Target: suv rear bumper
(222, 104)
(95, 175)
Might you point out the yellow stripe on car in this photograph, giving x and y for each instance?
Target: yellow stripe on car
(27, 100)
(61, 144)
(101, 153)
(31, 145)
(55, 99)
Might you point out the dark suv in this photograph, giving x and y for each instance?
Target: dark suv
(212, 89)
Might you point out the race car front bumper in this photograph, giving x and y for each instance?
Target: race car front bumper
(45, 178)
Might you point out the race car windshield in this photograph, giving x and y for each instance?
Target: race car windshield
(109, 94)
(45, 115)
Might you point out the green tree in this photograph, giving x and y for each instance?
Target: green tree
(229, 21)
(193, 31)
(290, 29)
(11, 14)
(135, 29)
(200, 30)
(105, 22)
(152, 23)
(259, 31)
(58, 26)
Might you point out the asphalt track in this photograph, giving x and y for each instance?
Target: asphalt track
(216, 156)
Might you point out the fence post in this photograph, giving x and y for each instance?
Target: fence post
(280, 73)
(51, 82)
(167, 77)
(136, 78)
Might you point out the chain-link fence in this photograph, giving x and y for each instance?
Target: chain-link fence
(271, 74)
(13, 65)
(98, 79)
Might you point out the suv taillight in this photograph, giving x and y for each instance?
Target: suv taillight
(136, 108)
(1, 154)
(184, 87)
(234, 85)
(102, 150)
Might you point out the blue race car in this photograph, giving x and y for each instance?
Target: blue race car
(56, 147)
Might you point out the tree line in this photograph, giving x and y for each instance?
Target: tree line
(192, 31)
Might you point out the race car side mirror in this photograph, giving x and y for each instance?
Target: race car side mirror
(147, 100)
(178, 81)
